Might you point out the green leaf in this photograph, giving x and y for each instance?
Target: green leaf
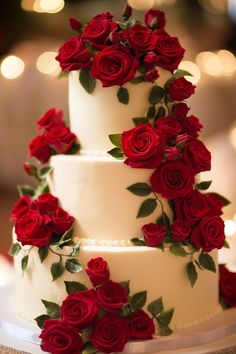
(86, 333)
(137, 80)
(207, 262)
(86, 80)
(138, 300)
(89, 349)
(166, 316)
(52, 309)
(226, 245)
(164, 330)
(25, 189)
(123, 95)
(41, 319)
(126, 310)
(224, 200)
(163, 219)
(140, 189)
(43, 253)
(125, 284)
(57, 269)
(117, 153)
(74, 149)
(42, 188)
(161, 112)
(24, 262)
(116, 139)
(180, 73)
(62, 74)
(66, 238)
(151, 113)
(75, 250)
(156, 307)
(177, 250)
(73, 265)
(156, 95)
(198, 264)
(147, 208)
(137, 241)
(203, 185)
(45, 171)
(192, 273)
(15, 249)
(74, 287)
(140, 120)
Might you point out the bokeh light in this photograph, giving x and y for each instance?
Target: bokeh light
(47, 64)
(193, 69)
(230, 227)
(141, 4)
(48, 6)
(12, 67)
(27, 5)
(232, 135)
(228, 62)
(209, 63)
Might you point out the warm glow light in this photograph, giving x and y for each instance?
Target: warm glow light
(193, 69)
(164, 2)
(37, 7)
(232, 136)
(214, 6)
(12, 67)
(228, 62)
(51, 6)
(27, 5)
(47, 64)
(209, 63)
(141, 4)
(230, 227)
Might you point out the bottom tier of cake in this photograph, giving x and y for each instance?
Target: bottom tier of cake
(160, 273)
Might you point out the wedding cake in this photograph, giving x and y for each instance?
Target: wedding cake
(119, 192)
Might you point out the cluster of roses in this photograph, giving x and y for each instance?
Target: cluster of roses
(38, 220)
(114, 51)
(96, 317)
(55, 139)
(227, 286)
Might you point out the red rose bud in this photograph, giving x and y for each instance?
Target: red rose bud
(75, 24)
(172, 153)
(155, 19)
(152, 76)
(141, 326)
(154, 234)
(31, 170)
(197, 156)
(180, 89)
(39, 148)
(227, 286)
(127, 12)
(192, 126)
(98, 271)
(62, 221)
(51, 118)
(181, 140)
(180, 230)
(21, 207)
(150, 61)
(180, 110)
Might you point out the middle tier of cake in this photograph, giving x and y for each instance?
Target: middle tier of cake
(94, 191)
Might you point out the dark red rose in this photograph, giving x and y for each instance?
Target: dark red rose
(141, 326)
(58, 337)
(180, 89)
(227, 286)
(197, 156)
(50, 118)
(180, 110)
(168, 126)
(98, 30)
(192, 207)
(61, 138)
(182, 139)
(154, 234)
(172, 179)
(61, 221)
(98, 271)
(151, 76)
(114, 65)
(39, 148)
(172, 153)
(208, 233)
(215, 204)
(192, 126)
(75, 24)
(34, 229)
(110, 334)
(112, 296)
(31, 170)
(169, 52)
(149, 61)
(143, 147)
(47, 203)
(155, 19)
(140, 39)
(73, 55)
(80, 309)
(127, 12)
(180, 230)
(21, 207)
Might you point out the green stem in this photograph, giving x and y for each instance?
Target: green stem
(157, 198)
(58, 254)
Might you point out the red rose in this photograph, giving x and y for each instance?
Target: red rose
(39, 148)
(154, 234)
(98, 271)
(50, 118)
(172, 153)
(149, 61)
(169, 52)
(80, 309)
(182, 139)
(114, 65)
(140, 39)
(180, 110)
(34, 229)
(168, 126)
(143, 147)
(192, 207)
(112, 296)
(47, 203)
(98, 30)
(73, 54)
(111, 334)
(21, 207)
(61, 138)
(180, 230)
(208, 233)
(75, 24)
(155, 19)
(151, 76)
(215, 204)
(180, 89)
(227, 286)
(61, 221)
(191, 125)
(58, 337)
(172, 179)
(141, 326)
(197, 156)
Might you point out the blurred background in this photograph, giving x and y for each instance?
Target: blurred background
(31, 32)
